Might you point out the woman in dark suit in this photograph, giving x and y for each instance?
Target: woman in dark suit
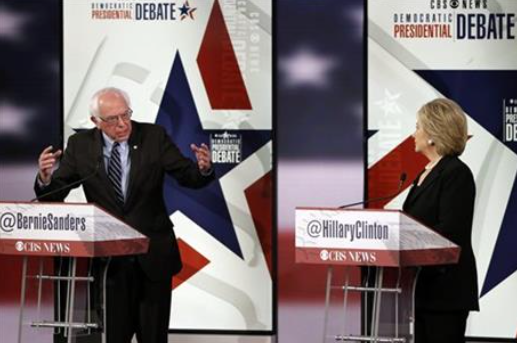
(442, 197)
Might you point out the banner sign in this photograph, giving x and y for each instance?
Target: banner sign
(73, 230)
(368, 238)
(465, 50)
(203, 70)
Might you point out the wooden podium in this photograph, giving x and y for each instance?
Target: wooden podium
(390, 245)
(71, 231)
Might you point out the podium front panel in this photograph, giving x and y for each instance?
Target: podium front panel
(344, 237)
(65, 229)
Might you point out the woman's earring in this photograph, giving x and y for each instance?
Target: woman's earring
(430, 142)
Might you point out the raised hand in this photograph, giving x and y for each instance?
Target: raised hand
(46, 162)
(203, 156)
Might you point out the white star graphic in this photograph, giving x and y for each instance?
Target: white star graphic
(389, 105)
(11, 24)
(13, 120)
(307, 68)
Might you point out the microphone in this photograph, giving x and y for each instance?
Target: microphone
(71, 185)
(402, 179)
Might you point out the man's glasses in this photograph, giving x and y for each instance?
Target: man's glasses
(113, 120)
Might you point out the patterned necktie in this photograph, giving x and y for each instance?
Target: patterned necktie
(115, 172)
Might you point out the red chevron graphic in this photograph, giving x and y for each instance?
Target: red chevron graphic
(384, 176)
(258, 196)
(219, 68)
(193, 262)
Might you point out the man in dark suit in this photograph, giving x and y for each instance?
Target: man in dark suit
(128, 161)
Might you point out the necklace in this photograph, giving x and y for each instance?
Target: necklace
(431, 164)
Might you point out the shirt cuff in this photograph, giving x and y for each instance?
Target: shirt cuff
(41, 184)
(207, 172)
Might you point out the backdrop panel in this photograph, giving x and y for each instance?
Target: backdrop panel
(467, 51)
(201, 69)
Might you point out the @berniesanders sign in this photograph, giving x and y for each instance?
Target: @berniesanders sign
(79, 230)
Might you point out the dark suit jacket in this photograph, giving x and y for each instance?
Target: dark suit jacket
(445, 203)
(152, 155)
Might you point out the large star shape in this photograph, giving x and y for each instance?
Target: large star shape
(504, 260)
(469, 89)
(13, 120)
(11, 24)
(307, 68)
(207, 207)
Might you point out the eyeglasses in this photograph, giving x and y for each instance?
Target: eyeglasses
(113, 120)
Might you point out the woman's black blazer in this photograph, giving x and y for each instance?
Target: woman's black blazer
(445, 203)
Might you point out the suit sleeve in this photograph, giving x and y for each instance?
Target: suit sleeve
(65, 174)
(183, 169)
(456, 208)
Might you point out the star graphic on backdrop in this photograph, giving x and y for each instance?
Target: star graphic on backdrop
(503, 262)
(13, 120)
(305, 67)
(11, 24)
(187, 11)
(389, 104)
(179, 116)
(460, 85)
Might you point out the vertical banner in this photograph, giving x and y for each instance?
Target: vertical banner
(203, 70)
(465, 50)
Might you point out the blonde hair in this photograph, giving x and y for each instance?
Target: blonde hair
(446, 124)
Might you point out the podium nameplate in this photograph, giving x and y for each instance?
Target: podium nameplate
(65, 229)
(368, 237)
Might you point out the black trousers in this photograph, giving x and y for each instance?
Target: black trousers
(442, 327)
(135, 304)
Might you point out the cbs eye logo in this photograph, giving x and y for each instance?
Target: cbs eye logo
(324, 255)
(19, 246)
(454, 3)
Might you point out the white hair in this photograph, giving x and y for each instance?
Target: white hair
(94, 102)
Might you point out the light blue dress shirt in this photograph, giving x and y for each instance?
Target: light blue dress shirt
(124, 160)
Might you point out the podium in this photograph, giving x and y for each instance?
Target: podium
(65, 230)
(390, 246)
